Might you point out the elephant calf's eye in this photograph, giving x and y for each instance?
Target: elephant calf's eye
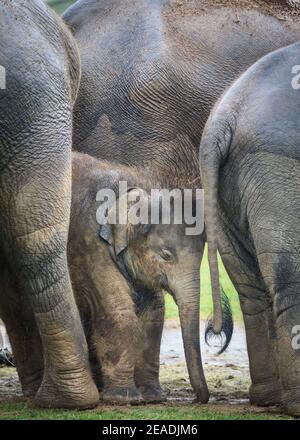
(166, 255)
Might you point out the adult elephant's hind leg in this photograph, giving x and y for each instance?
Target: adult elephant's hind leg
(261, 337)
(257, 311)
(147, 365)
(276, 234)
(281, 271)
(34, 228)
(17, 314)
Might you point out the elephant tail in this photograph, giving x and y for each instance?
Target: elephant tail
(214, 148)
(227, 325)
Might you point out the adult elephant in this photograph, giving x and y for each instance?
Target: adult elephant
(40, 74)
(151, 72)
(250, 160)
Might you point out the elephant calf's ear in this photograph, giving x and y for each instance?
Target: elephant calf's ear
(106, 233)
(117, 235)
(116, 238)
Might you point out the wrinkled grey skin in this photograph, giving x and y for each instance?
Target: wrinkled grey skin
(250, 156)
(153, 69)
(118, 274)
(42, 76)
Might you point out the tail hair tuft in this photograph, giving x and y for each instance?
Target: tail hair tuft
(227, 327)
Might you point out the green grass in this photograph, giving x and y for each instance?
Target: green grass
(206, 298)
(60, 6)
(21, 411)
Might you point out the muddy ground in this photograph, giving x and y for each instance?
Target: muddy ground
(227, 374)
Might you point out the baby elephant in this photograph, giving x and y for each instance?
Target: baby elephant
(119, 272)
(250, 166)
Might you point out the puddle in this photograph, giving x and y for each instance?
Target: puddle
(235, 356)
(227, 374)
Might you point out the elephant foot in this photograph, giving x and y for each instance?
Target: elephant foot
(76, 391)
(152, 394)
(31, 385)
(291, 402)
(265, 394)
(122, 396)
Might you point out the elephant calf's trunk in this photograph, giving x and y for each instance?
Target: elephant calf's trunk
(190, 327)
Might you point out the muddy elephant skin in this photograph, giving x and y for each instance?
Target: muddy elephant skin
(250, 156)
(42, 72)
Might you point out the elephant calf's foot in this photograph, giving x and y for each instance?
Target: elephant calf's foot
(122, 396)
(76, 391)
(265, 394)
(291, 402)
(152, 394)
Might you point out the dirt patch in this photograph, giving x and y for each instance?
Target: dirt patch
(227, 374)
(9, 383)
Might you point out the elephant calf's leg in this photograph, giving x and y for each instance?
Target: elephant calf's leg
(115, 341)
(147, 365)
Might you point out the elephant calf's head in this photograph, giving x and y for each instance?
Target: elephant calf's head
(156, 253)
(156, 256)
